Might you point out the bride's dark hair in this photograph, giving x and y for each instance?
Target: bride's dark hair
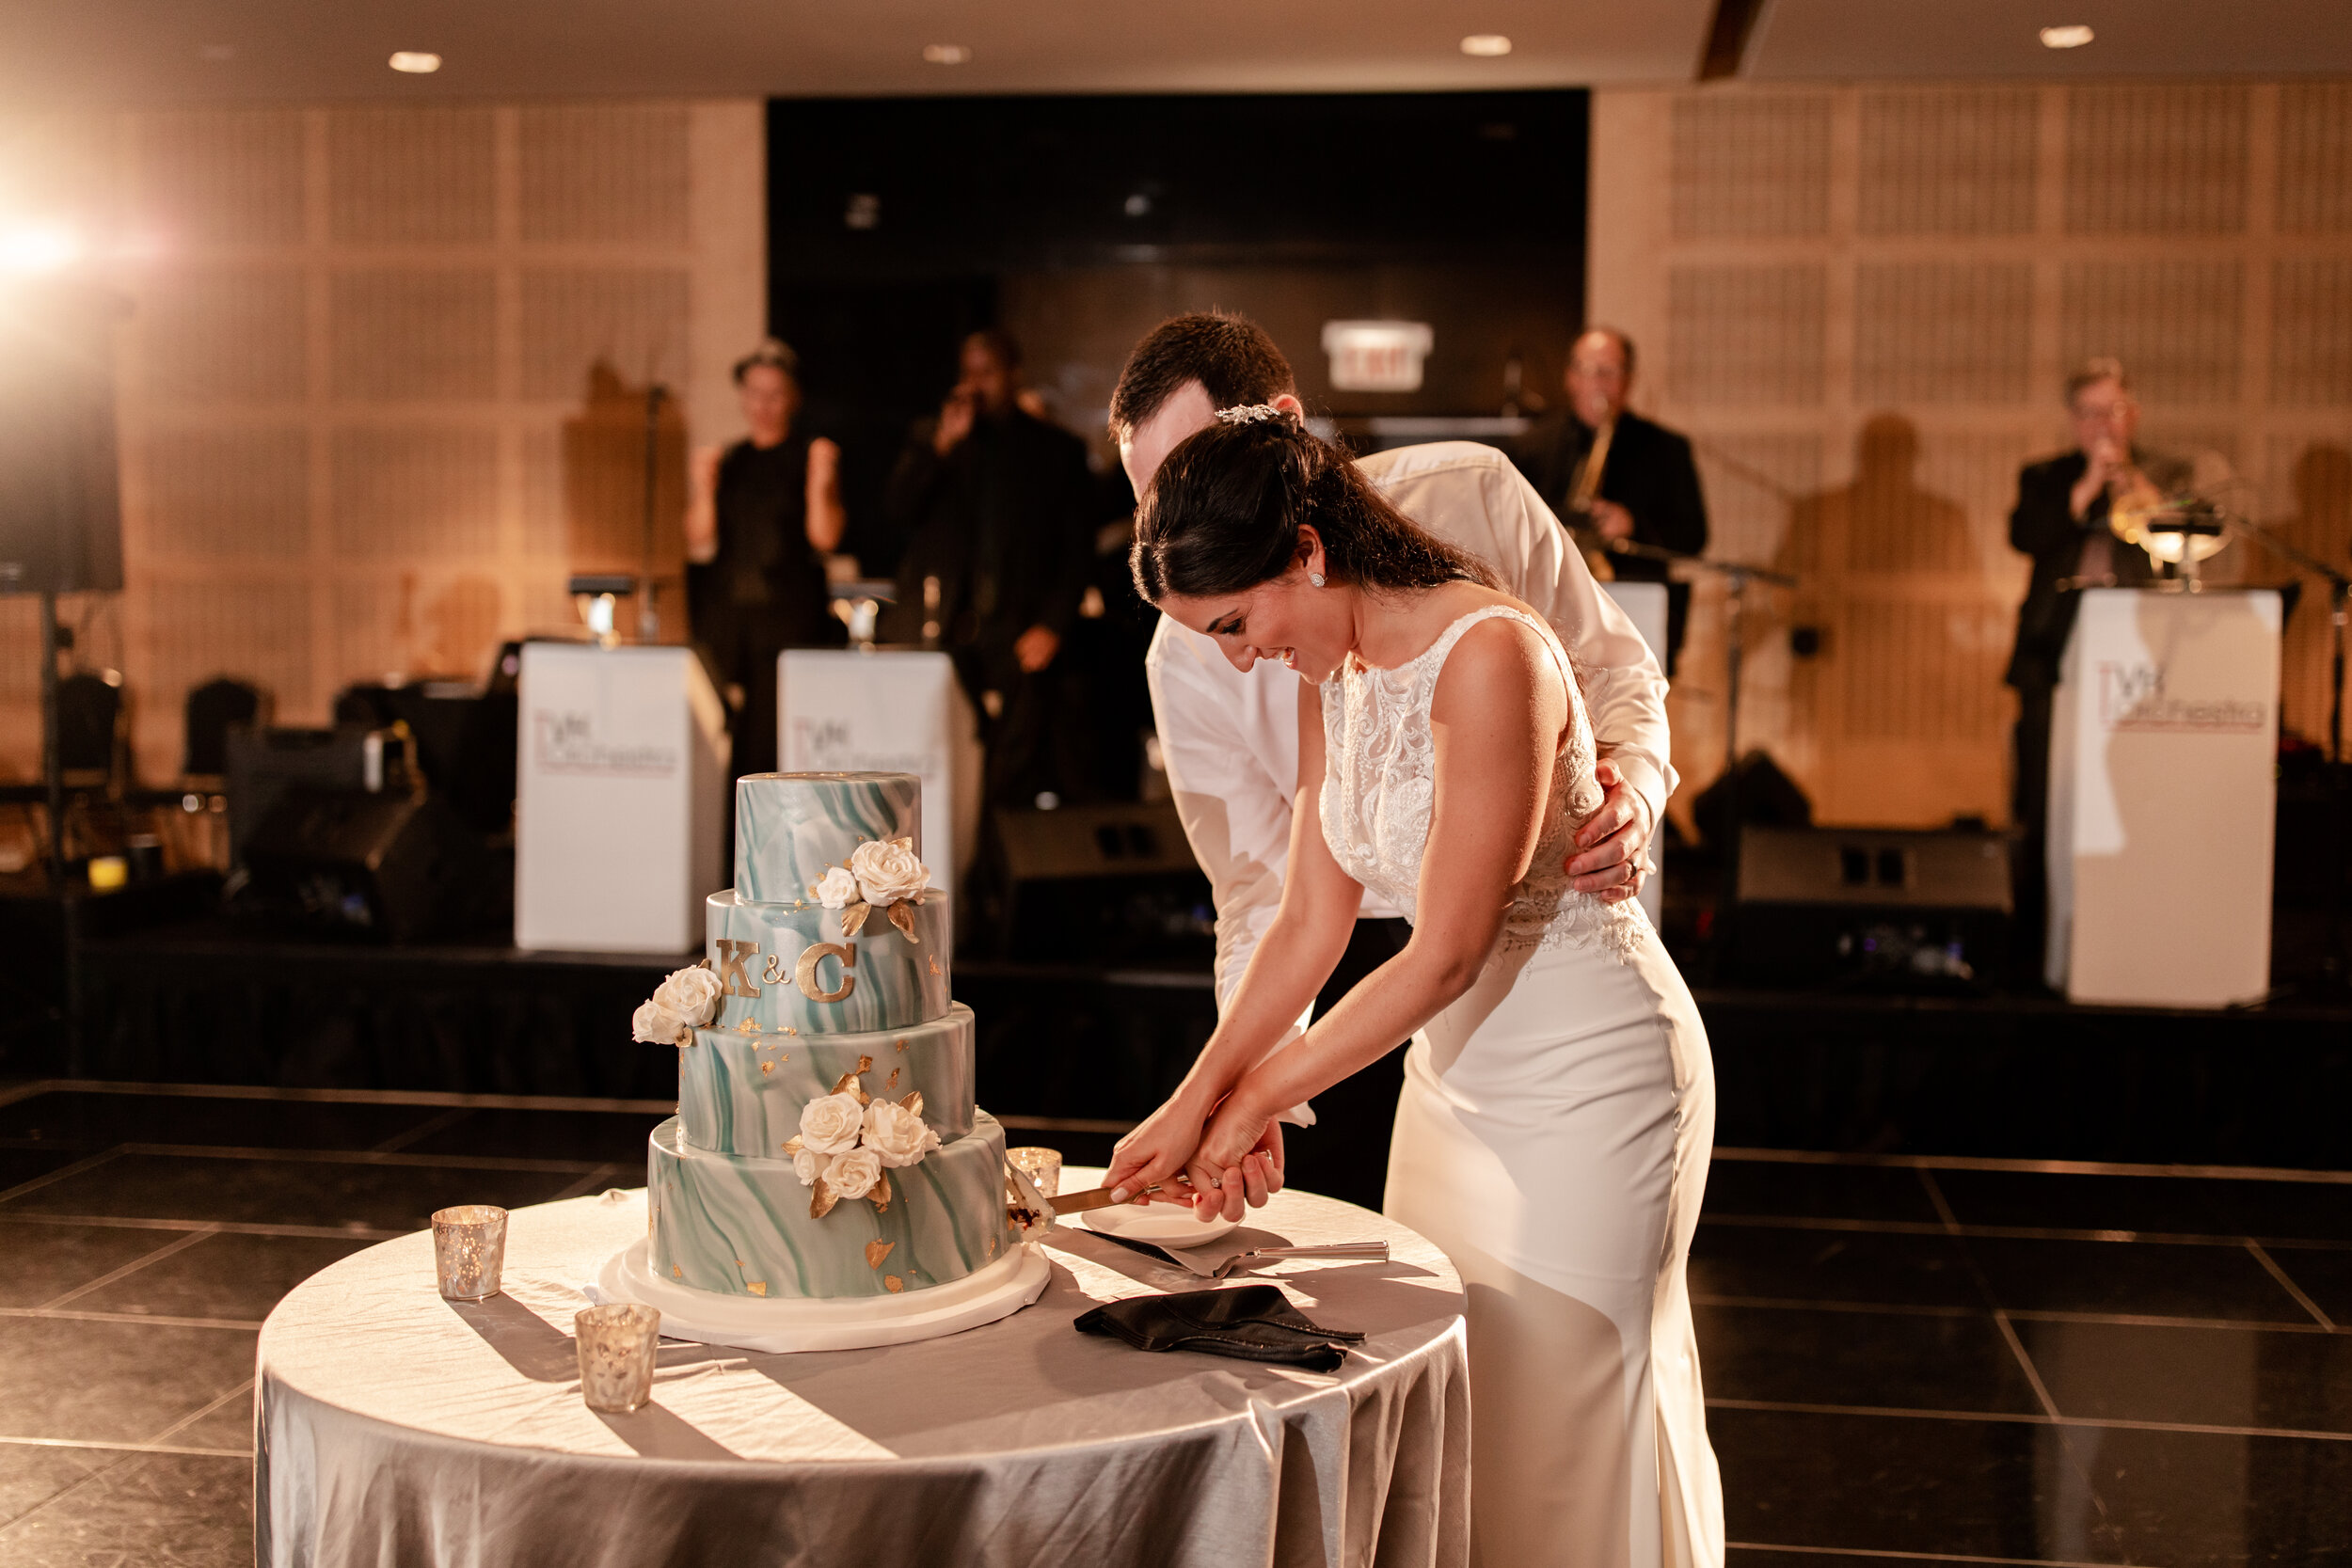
(1224, 512)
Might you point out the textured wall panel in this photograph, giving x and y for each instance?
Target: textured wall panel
(2311, 509)
(2315, 158)
(231, 493)
(1751, 481)
(543, 492)
(1925, 673)
(1931, 332)
(225, 177)
(428, 492)
(2156, 160)
(1751, 166)
(605, 172)
(418, 623)
(411, 177)
(1947, 162)
(258, 631)
(224, 333)
(1746, 334)
(2310, 330)
(632, 319)
(408, 335)
(2176, 325)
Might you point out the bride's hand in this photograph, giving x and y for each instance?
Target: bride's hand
(1155, 1153)
(1238, 1162)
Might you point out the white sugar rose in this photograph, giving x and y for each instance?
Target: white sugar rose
(692, 994)
(657, 1026)
(897, 1134)
(887, 870)
(831, 1125)
(854, 1175)
(808, 1165)
(838, 889)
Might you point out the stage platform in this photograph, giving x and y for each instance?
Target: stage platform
(2017, 1078)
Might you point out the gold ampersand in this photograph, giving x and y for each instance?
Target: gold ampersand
(774, 974)
(804, 973)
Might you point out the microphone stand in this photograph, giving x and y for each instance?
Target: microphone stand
(1738, 577)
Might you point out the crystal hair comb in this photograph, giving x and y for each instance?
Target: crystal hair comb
(1250, 413)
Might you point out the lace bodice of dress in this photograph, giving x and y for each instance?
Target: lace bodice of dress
(1379, 781)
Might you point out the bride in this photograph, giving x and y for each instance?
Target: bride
(1558, 1107)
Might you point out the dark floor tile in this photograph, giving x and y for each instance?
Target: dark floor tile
(2133, 1278)
(109, 1382)
(1778, 1263)
(18, 1165)
(2323, 1274)
(1900, 1360)
(2237, 1377)
(284, 1192)
(2057, 1201)
(100, 1120)
(618, 1136)
(158, 1510)
(44, 1262)
(1817, 1192)
(230, 1428)
(2195, 1499)
(1887, 1483)
(220, 1277)
(1767, 1556)
(31, 1474)
(2307, 1210)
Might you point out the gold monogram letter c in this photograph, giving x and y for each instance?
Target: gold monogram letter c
(804, 973)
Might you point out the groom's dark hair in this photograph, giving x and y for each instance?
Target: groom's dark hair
(1232, 358)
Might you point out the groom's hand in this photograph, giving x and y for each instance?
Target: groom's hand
(1610, 845)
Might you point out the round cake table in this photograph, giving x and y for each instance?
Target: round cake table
(398, 1427)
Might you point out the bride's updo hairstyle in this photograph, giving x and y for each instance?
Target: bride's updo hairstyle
(1224, 512)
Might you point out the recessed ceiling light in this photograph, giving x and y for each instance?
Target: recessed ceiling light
(1488, 44)
(38, 249)
(416, 62)
(2072, 35)
(946, 53)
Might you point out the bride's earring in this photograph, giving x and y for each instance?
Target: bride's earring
(1315, 579)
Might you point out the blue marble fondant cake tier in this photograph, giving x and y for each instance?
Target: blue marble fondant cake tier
(878, 979)
(736, 1225)
(792, 827)
(742, 1094)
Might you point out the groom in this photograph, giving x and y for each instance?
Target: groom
(1230, 740)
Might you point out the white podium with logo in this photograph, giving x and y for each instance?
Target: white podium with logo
(888, 710)
(1644, 605)
(2163, 746)
(619, 787)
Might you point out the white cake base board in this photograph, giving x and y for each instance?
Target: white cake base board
(998, 1291)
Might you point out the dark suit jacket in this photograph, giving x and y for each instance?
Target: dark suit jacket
(2043, 527)
(1649, 473)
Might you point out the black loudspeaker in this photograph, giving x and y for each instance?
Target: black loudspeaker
(1871, 908)
(1101, 884)
(60, 510)
(389, 866)
(263, 764)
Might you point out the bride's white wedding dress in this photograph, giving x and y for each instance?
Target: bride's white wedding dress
(1552, 1138)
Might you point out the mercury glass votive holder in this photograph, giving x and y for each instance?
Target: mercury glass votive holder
(1040, 1165)
(469, 1250)
(617, 1342)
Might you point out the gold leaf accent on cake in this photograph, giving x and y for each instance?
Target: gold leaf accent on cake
(854, 920)
(767, 1067)
(865, 1064)
(912, 1102)
(903, 918)
(992, 1246)
(821, 1199)
(893, 1283)
(892, 1082)
(749, 1026)
(880, 1194)
(677, 1273)
(876, 1252)
(902, 1045)
(792, 1144)
(847, 1084)
(790, 1030)
(934, 962)
(756, 1286)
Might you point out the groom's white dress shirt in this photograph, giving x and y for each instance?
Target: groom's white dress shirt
(1230, 740)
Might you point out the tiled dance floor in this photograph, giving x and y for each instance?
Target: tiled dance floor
(1907, 1361)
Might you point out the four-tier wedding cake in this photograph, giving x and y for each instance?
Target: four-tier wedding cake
(828, 1182)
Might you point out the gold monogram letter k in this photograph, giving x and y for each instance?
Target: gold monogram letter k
(733, 956)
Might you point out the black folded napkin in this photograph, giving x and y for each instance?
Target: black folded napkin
(1254, 1322)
